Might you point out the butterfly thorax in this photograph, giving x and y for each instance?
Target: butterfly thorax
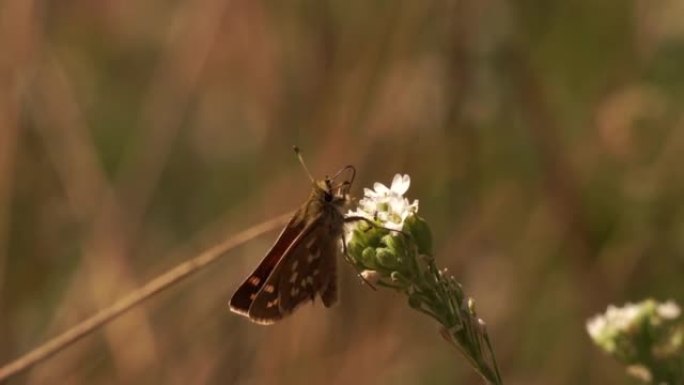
(324, 193)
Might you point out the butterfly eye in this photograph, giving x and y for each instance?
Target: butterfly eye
(328, 197)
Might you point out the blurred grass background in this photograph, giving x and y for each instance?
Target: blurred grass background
(544, 140)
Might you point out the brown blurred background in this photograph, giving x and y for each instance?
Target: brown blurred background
(544, 140)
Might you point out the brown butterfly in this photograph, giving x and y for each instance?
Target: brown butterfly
(303, 261)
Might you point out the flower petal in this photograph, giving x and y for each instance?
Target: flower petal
(386, 205)
(398, 205)
(380, 189)
(368, 192)
(396, 182)
(668, 310)
(400, 184)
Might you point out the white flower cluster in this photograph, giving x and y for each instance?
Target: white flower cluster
(387, 206)
(668, 310)
(647, 337)
(604, 328)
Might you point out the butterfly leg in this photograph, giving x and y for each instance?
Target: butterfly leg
(342, 185)
(357, 218)
(345, 168)
(349, 261)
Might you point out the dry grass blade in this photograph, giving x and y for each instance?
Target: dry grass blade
(135, 298)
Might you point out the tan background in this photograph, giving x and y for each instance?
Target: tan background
(544, 140)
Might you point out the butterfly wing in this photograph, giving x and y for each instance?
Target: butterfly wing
(246, 293)
(309, 267)
(326, 284)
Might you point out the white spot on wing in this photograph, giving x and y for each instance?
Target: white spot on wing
(272, 303)
(313, 255)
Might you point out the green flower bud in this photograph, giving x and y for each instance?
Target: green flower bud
(386, 258)
(368, 258)
(372, 237)
(355, 250)
(471, 306)
(360, 237)
(397, 245)
(420, 231)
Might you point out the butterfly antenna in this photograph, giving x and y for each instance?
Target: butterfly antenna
(301, 161)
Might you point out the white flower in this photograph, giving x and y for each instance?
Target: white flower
(668, 310)
(622, 318)
(634, 331)
(641, 372)
(603, 328)
(371, 276)
(596, 326)
(387, 205)
(400, 184)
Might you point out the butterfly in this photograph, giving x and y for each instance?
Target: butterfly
(302, 264)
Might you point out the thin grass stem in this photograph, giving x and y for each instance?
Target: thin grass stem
(138, 296)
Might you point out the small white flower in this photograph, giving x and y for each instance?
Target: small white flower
(622, 318)
(603, 328)
(668, 310)
(640, 371)
(634, 331)
(387, 205)
(400, 184)
(370, 276)
(596, 326)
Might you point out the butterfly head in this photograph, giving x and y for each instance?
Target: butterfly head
(328, 191)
